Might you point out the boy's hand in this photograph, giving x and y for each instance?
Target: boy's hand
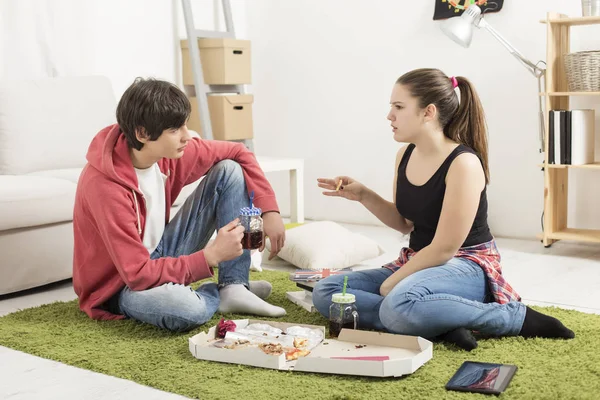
(274, 229)
(227, 245)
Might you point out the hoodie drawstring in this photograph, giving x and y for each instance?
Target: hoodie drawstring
(137, 212)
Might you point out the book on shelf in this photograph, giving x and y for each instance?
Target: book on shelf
(571, 137)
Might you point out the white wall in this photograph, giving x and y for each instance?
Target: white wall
(116, 38)
(323, 73)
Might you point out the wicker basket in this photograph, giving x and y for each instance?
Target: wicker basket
(583, 71)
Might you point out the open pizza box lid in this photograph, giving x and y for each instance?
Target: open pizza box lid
(354, 352)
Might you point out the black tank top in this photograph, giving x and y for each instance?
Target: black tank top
(423, 204)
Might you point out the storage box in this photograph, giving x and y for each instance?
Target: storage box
(354, 352)
(224, 61)
(230, 116)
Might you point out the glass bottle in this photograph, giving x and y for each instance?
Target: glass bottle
(342, 313)
(250, 219)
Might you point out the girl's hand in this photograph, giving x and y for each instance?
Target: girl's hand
(343, 186)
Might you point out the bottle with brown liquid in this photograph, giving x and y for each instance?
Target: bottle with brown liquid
(342, 313)
(253, 224)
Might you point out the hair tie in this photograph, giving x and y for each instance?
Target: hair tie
(454, 82)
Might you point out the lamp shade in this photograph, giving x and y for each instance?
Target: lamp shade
(461, 29)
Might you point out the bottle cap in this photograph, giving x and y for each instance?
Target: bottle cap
(343, 298)
(250, 211)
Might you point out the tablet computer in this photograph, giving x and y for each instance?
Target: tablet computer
(482, 377)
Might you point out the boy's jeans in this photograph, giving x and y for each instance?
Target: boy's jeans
(215, 202)
(427, 303)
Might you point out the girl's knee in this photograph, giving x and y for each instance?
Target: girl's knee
(397, 316)
(323, 290)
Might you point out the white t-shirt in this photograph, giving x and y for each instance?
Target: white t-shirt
(152, 185)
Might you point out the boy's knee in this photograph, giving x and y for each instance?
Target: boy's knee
(179, 325)
(229, 167)
(186, 321)
(229, 174)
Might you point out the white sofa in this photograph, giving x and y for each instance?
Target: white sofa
(45, 129)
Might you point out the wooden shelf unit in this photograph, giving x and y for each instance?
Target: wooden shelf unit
(557, 96)
(561, 19)
(571, 94)
(595, 165)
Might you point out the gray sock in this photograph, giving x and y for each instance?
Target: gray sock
(237, 299)
(262, 289)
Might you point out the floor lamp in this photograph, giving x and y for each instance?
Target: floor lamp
(460, 30)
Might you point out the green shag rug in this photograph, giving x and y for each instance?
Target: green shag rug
(548, 369)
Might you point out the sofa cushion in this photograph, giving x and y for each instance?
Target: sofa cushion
(34, 200)
(49, 123)
(70, 174)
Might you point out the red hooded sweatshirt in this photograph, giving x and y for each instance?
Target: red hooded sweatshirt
(110, 215)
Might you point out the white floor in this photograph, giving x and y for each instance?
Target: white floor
(566, 275)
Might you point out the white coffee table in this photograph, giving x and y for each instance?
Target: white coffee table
(295, 166)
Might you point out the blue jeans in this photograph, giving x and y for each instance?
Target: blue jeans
(427, 303)
(215, 202)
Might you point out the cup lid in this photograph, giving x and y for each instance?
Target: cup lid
(343, 298)
(250, 211)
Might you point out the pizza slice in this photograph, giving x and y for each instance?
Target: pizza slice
(271, 348)
(300, 342)
(295, 353)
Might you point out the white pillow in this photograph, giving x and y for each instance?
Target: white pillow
(326, 244)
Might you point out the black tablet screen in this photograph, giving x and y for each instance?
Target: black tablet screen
(484, 377)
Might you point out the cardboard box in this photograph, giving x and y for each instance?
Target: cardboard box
(230, 116)
(224, 61)
(354, 352)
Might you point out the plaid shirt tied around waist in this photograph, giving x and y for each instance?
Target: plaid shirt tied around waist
(486, 255)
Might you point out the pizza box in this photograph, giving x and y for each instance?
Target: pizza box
(354, 352)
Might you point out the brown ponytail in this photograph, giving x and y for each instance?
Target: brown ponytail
(464, 121)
